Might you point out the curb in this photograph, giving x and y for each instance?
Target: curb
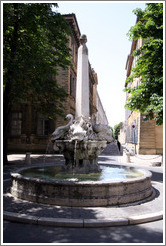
(62, 222)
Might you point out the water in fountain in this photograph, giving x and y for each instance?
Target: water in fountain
(108, 173)
(44, 156)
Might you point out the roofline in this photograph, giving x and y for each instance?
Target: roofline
(74, 24)
(73, 15)
(130, 57)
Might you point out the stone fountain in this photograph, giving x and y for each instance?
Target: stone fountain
(81, 181)
(81, 141)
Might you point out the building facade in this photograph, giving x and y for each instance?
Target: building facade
(31, 131)
(143, 137)
(101, 115)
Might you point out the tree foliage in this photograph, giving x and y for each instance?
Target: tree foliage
(35, 45)
(148, 96)
(117, 130)
(35, 41)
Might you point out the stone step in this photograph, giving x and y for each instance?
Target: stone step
(111, 149)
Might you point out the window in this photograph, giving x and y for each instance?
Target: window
(72, 86)
(74, 50)
(16, 123)
(42, 127)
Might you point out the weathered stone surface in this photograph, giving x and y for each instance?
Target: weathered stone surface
(81, 156)
(82, 88)
(89, 193)
(145, 218)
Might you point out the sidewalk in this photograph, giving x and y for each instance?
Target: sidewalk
(142, 160)
(137, 160)
(18, 210)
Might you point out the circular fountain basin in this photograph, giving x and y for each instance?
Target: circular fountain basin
(113, 186)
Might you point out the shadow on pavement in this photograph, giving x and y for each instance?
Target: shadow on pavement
(156, 176)
(18, 233)
(42, 210)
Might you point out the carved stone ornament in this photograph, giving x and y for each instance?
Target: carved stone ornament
(83, 39)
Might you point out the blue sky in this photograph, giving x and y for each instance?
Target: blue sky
(106, 25)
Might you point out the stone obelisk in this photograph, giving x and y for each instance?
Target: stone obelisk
(82, 85)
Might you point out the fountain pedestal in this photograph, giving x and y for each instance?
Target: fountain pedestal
(82, 85)
(81, 157)
(82, 142)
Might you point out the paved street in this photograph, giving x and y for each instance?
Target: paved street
(28, 233)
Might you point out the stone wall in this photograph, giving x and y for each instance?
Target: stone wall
(101, 115)
(151, 138)
(148, 136)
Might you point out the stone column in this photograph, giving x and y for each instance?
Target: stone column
(82, 85)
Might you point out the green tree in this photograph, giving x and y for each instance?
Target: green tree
(35, 41)
(117, 130)
(110, 127)
(148, 96)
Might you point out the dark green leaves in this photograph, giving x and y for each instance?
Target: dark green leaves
(117, 130)
(147, 97)
(35, 45)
